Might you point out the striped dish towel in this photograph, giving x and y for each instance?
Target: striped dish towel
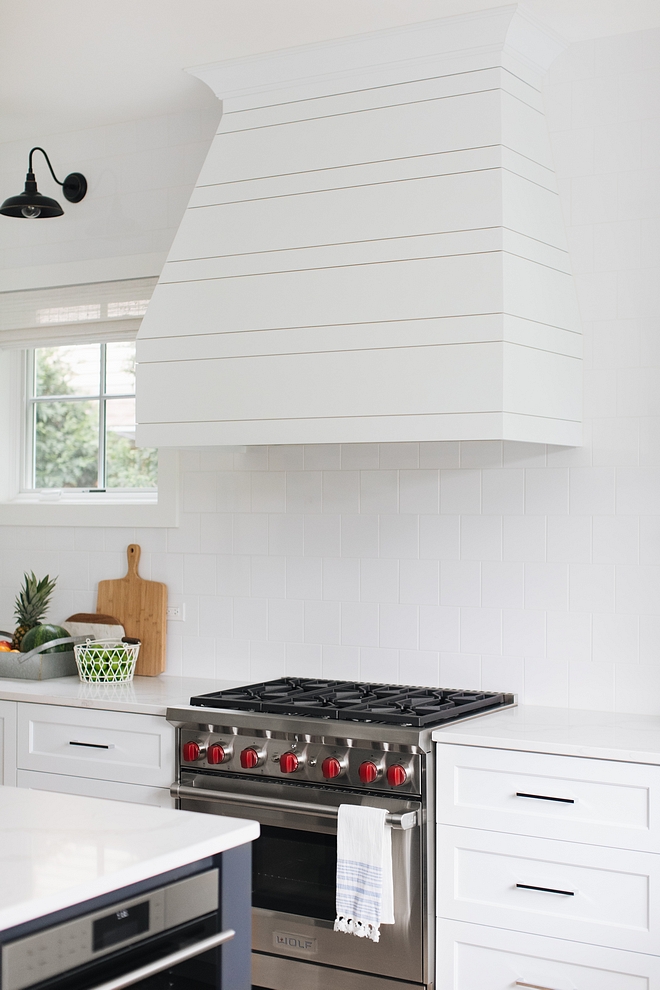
(365, 890)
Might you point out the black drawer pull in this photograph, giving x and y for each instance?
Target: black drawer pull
(92, 745)
(546, 890)
(545, 797)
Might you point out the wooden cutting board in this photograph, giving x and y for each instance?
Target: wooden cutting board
(141, 607)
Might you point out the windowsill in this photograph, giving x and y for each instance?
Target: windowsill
(126, 509)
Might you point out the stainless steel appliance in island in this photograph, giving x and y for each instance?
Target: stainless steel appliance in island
(288, 753)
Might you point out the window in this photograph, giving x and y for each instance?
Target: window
(67, 410)
(80, 419)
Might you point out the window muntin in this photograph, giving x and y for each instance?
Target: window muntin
(81, 420)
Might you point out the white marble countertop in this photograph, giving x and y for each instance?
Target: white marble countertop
(57, 850)
(563, 731)
(146, 695)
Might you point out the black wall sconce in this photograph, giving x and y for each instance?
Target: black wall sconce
(31, 205)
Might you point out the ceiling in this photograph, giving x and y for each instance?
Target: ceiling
(71, 64)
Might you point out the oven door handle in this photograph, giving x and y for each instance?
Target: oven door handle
(406, 820)
(181, 955)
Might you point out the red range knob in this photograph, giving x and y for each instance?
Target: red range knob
(288, 762)
(249, 758)
(396, 775)
(190, 752)
(368, 772)
(331, 768)
(216, 753)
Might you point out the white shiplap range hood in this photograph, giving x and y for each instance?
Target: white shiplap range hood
(374, 250)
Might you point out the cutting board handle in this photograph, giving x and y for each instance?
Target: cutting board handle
(133, 554)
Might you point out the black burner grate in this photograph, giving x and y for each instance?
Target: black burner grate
(395, 704)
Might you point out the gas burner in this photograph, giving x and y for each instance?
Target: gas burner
(394, 704)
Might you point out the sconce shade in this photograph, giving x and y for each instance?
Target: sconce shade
(31, 205)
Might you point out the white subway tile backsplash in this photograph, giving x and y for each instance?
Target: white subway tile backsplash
(359, 623)
(322, 536)
(341, 662)
(268, 577)
(285, 534)
(341, 491)
(503, 492)
(341, 579)
(591, 686)
(322, 623)
(524, 538)
(569, 539)
(399, 536)
(615, 638)
(268, 491)
(378, 491)
(355, 456)
(286, 620)
(322, 457)
(399, 455)
(379, 665)
(251, 533)
(304, 491)
(439, 628)
(481, 630)
(232, 575)
(440, 537)
(502, 584)
(359, 536)
(440, 455)
(398, 626)
(459, 670)
(199, 573)
(546, 491)
(419, 491)
(524, 632)
(460, 582)
(304, 578)
(460, 492)
(251, 618)
(419, 582)
(379, 580)
(546, 586)
(481, 538)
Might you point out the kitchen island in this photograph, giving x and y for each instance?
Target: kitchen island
(64, 857)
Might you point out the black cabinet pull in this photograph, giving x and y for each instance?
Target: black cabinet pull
(545, 797)
(91, 745)
(545, 890)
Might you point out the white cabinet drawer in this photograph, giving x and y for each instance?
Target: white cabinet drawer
(136, 749)
(91, 787)
(542, 886)
(561, 797)
(471, 957)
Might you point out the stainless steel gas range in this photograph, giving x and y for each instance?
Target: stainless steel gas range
(287, 753)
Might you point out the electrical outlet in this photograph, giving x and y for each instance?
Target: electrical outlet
(176, 613)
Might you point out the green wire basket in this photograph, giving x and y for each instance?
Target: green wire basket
(106, 660)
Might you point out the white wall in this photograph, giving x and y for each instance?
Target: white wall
(140, 175)
(512, 567)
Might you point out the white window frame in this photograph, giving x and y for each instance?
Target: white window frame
(146, 509)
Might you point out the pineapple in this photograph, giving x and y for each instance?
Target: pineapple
(31, 605)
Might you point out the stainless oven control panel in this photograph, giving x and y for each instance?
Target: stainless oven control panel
(367, 766)
(61, 948)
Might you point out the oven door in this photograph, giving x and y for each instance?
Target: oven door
(293, 875)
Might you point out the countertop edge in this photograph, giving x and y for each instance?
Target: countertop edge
(244, 832)
(622, 737)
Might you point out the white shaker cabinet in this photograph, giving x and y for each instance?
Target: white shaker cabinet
(8, 742)
(548, 871)
(123, 756)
